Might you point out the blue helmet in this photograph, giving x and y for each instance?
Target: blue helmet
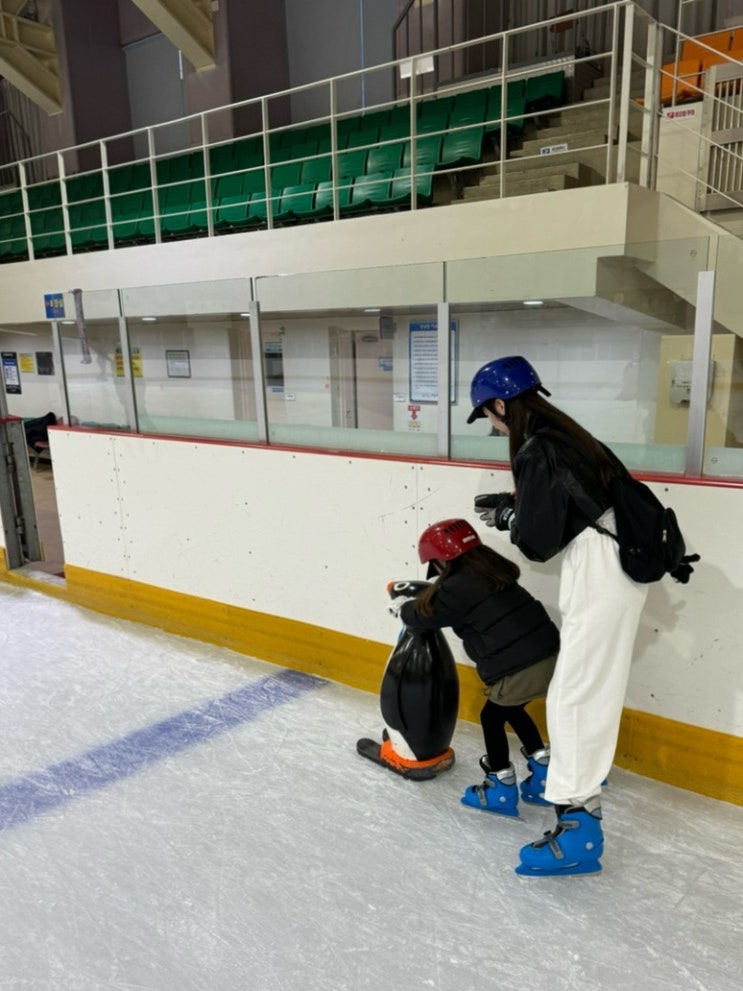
(503, 378)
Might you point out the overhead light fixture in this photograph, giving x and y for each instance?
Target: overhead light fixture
(149, 319)
(372, 309)
(533, 302)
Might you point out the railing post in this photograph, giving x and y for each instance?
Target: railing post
(700, 369)
(153, 184)
(334, 150)
(107, 197)
(650, 106)
(259, 385)
(267, 162)
(624, 98)
(443, 317)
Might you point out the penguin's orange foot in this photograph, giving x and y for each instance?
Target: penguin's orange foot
(415, 770)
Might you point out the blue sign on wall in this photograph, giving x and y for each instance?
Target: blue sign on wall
(54, 305)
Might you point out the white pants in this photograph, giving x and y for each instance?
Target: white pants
(600, 607)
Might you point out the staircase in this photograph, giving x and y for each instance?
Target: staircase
(566, 149)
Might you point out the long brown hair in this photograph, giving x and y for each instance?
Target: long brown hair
(480, 561)
(523, 410)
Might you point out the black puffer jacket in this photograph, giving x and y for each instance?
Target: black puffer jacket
(549, 471)
(501, 631)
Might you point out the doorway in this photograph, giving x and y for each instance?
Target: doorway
(361, 380)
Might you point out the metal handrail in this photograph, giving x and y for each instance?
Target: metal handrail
(618, 111)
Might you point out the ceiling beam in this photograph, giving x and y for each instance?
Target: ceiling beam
(28, 57)
(187, 24)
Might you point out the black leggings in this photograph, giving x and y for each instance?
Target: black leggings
(493, 719)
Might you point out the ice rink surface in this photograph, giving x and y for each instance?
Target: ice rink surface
(176, 817)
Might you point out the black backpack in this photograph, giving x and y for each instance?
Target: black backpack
(650, 540)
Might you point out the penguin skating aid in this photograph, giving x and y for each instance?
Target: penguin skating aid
(419, 701)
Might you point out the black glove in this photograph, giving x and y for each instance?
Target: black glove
(683, 571)
(496, 510)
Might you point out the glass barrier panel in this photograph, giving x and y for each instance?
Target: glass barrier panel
(723, 436)
(340, 379)
(348, 360)
(598, 325)
(192, 363)
(94, 373)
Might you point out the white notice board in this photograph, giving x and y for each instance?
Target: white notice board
(423, 354)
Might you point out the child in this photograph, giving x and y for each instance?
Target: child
(511, 639)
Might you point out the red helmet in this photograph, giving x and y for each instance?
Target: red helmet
(446, 540)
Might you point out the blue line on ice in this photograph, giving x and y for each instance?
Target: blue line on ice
(43, 790)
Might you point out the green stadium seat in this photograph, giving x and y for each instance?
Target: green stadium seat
(371, 190)
(177, 168)
(257, 213)
(515, 109)
(127, 178)
(400, 190)
(324, 196)
(469, 113)
(461, 148)
(126, 209)
(248, 152)
(286, 174)
(427, 152)
(13, 246)
(44, 194)
(344, 127)
(301, 150)
(222, 159)
(545, 91)
(351, 163)
(84, 187)
(297, 202)
(229, 185)
(88, 225)
(183, 209)
(385, 157)
(11, 203)
(291, 137)
(362, 138)
(397, 129)
(231, 212)
(316, 169)
(47, 226)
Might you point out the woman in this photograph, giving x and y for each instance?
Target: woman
(553, 461)
(511, 639)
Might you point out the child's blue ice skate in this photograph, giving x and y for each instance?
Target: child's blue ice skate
(532, 788)
(573, 847)
(498, 792)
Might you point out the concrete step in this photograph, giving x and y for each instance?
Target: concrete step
(593, 94)
(593, 158)
(521, 187)
(573, 140)
(514, 170)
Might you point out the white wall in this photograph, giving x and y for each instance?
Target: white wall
(316, 537)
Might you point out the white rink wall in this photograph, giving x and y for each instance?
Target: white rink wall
(315, 537)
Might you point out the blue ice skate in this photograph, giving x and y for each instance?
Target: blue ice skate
(532, 788)
(498, 792)
(573, 847)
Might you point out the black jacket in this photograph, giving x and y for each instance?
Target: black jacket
(551, 474)
(501, 632)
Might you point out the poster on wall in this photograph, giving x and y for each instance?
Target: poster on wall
(136, 363)
(179, 364)
(11, 375)
(26, 363)
(45, 363)
(423, 344)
